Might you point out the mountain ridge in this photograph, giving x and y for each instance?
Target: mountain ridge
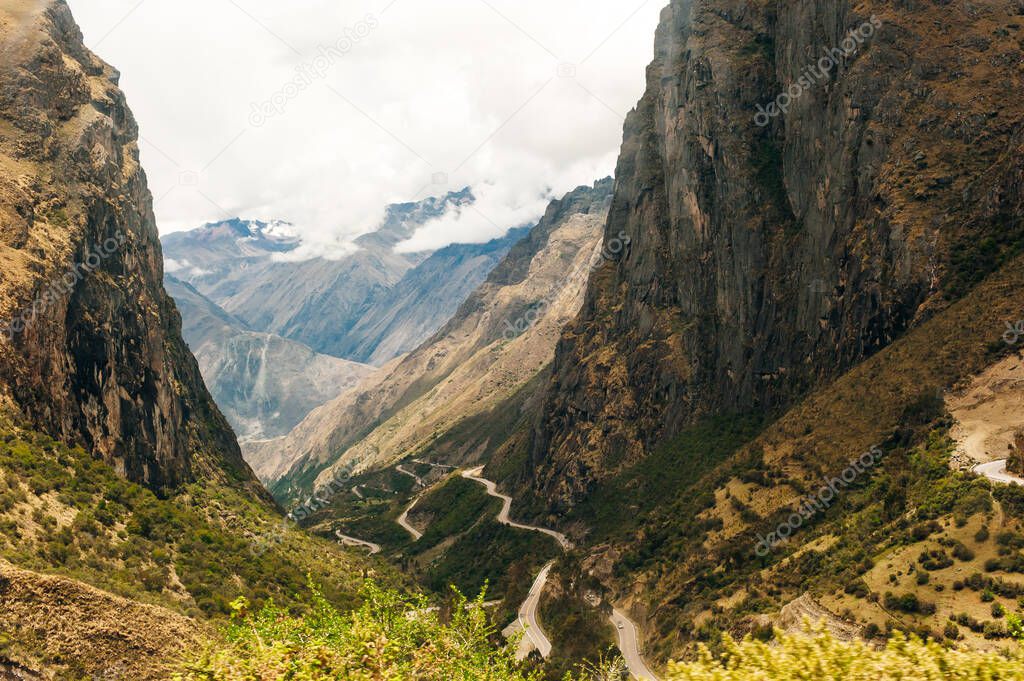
(767, 260)
(119, 476)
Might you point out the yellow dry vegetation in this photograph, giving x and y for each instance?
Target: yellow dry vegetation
(818, 655)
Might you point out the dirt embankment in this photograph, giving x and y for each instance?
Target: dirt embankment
(53, 624)
(989, 413)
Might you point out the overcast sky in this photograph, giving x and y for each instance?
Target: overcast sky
(323, 112)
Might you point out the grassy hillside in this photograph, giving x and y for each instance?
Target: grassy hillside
(462, 544)
(65, 629)
(64, 513)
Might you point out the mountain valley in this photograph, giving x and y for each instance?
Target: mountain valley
(751, 408)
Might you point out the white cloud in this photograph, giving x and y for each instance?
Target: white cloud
(507, 96)
(171, 265)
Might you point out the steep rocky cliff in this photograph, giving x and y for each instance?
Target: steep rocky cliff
(500, 339)
(92, 351)
(770, 253)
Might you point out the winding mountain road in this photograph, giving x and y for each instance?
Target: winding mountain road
(442, 466)
(996, 472)
(403, 520)
(404, 471)
(527, 621)
(352, 541)
(506, 507)
(533, 635)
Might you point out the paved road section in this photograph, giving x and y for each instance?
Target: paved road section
(352, 541)
(403, 520)
(629, 646)
(506, 507)
(405, 471)
(534, 637)
(996, 472)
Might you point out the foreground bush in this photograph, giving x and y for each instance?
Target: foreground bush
(389, 637)
(817, 655)
(393, 638)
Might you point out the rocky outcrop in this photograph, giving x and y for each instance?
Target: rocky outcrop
(769, 253)
(264, 384)
(92, 351)
(501, 338)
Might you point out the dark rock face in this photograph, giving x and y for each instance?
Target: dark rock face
(767, 259)
(93, 351)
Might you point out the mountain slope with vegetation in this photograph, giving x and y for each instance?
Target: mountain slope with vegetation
(92, 349)
(759, 397)
(766, 260)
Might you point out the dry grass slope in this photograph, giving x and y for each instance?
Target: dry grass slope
(49, 622)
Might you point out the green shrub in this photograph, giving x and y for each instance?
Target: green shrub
(962, 553)
(389, 637)
(934, 560)
(908, 603)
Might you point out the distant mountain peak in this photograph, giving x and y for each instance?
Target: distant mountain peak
(275, 235)
(401, 220)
